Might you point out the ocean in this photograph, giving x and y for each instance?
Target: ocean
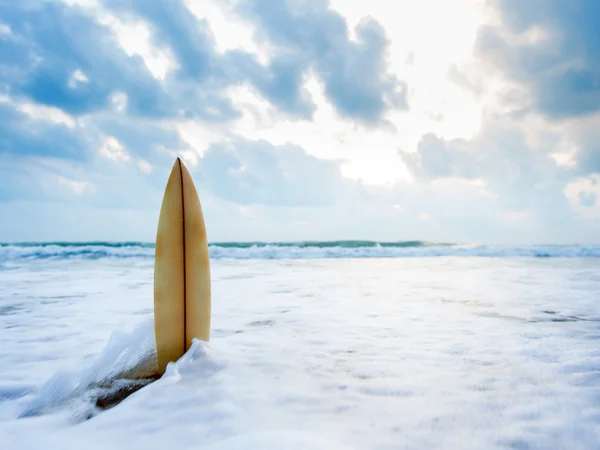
(314, 345)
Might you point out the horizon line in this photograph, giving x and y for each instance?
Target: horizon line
(416, 242)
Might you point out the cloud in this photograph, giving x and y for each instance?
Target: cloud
(310, 38)
(69, 57)
(502, 166)
(146, 139)
(587, 198)
(51, 42)
(74, 93)
(584, 135)
(257, 172)
(173, 26)
(47, 156)
(312, 35)
(35, 178)
(26, 135)
(583, 193)
(202, 73)
(550, 49)
(89, 128)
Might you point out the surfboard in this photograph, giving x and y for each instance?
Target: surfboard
(182, 283)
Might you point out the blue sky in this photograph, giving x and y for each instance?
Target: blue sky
(448, 120)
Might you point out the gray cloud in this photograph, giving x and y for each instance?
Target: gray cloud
(517, 177)
(280, 82)
(23, 135)
(174, 26)
(257, 172)
(50, 41)
(145, 139)
(354, 73)
(561, 71)
(585, 134)
(196, 86)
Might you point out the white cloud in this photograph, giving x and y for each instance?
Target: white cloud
(113, 150)
(83, 3)
(144, 166)
(132, 35)
(436, 103)
(74, 186)
(370, 154)
(77, 78)
(230, 31)
(50, 114)
(119, 101)
(435, 34)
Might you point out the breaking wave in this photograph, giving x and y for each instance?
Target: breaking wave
(291, 250)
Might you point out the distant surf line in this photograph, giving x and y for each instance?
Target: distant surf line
(293, 250)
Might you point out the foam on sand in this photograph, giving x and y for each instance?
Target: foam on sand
(425, 353)
(127, 355)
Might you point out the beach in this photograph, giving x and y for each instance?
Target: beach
(307, 352)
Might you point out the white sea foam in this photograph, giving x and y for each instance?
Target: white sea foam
(316, 250)
(420, 353)
(126, 354)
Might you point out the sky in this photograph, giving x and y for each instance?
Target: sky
(471, 121)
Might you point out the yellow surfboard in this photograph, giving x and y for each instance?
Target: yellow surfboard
(182, 290)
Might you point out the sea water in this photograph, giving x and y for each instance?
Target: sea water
(349, 345)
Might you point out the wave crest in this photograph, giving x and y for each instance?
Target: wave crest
(291, 250)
